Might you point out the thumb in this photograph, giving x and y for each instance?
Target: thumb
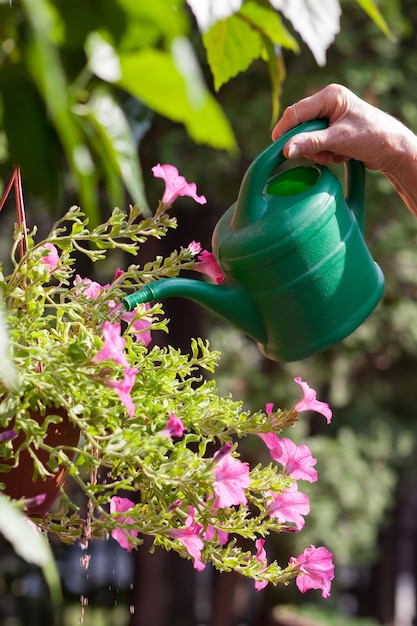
(307, 144)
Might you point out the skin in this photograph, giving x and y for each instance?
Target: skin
(356, 130)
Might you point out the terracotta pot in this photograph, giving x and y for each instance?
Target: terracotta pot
(19, 481)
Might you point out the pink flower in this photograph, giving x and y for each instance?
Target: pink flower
(124, 387)
(309, 402)
(141, 326)
(272, 442)
(194, 247)
(89, 288)
(289, 506)
(297, 460)
(315, 570)
(52, 256)
(261, 558)
(190, 539)
(121, 535)
(174, 427)
(231, 479)
(175, 185)
(113, 347)
(208, 265)
(216, 533)
(269, 407)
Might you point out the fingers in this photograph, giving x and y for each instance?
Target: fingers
(330, 102)
(312, 144)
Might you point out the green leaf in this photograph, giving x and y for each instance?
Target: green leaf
(110, 122)
(29, 543)
(231, 45)
(375, 14)
(268, 22)
(163, 88)
(46, 68)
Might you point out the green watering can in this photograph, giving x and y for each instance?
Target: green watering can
(298, 274)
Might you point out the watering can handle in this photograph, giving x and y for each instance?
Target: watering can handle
(251, 203)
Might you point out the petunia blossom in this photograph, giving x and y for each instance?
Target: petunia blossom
(261, 558)
(297, 460)
(209, 266)
(190, 538)
(289, 506)
(141, 326)
(52, 256)
(113, 347)
(120, 534)
(174, 427)
(272, 442)
(88, 287)
(310, 402)
(175, 185)
(213, 532)
(194, 247)
(124, 387)
(315, 570)
(231, 479)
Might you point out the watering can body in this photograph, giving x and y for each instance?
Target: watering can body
(298, 274)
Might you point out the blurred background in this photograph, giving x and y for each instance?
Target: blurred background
(364, 506)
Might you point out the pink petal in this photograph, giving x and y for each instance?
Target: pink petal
(289, 506)
(52, 257)
(297, 460)
(113, 347)
(316, 570)
(310, 403)
(231, 481)
(209, 266)
(175, 185)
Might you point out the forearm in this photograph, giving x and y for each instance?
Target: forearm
(402, 172)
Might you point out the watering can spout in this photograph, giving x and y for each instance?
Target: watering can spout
(231, 302)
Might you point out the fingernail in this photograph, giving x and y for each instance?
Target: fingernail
(292, 151)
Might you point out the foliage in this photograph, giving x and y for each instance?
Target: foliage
(57, 333)
(84, 81)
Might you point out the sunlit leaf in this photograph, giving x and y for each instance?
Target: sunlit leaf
(29, 543)
(375, 14)
(102, 57)
(209, 12)
(231, 45)
(47, 71)
(317, 21)
(119, 146)
(163, 88)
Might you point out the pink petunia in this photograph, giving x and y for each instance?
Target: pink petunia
(297, 460)
(310, 403)
(231, 479)
(88, 287)
(194, 247)
(52, 256)
(113, 347)
(174, 427)
(289, 506)
(190, 539)
(272, 442)
(209, 266)
(216, 533)
(141, 326)
(315, 570)
(175, 185)
(120, 534)
(124, 387)
(269, 407)
(261, 558)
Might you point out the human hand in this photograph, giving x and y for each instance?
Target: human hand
(356, 130)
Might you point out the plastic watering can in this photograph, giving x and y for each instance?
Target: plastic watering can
(298, 274)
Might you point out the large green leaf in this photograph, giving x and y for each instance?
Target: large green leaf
(46, 68)
(153, 77)
(231, 45)
(29, 543)
(118, 144)
(234, 43)
(375, 14)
